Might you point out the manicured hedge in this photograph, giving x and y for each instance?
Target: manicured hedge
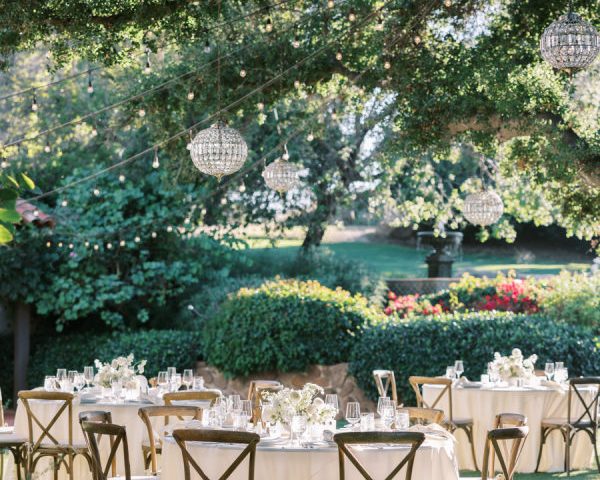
(162, 348)
(285, 325)
(425, 346)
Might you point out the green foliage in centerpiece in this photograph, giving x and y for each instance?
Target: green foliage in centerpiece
(426, 345)
(285, 325)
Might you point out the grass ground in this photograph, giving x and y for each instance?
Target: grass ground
(578, 475)
(397, 261)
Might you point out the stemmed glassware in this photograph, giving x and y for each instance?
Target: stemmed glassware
(298, 427)
(188, 378)
(459, 368)
(332, 399)
(549, 370)
(162, 380)
(353, 413)
(451, 372)
(88, 373)
(382, 403)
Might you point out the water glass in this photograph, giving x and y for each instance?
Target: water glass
(162, 380)
(50, 383)
(117, 389)
(451, 372)
(402, 420)
(234, 403)
(88, 373)
(246, 407)
(298, 426)
(459, 368)
(558, 366)
(240, 420)
(549, 370)
(176, 382)
(61, 374)
(353, 413)
(367, 422)
(388, 416)
(188, 378)
(171, 371)
(332, 399)
(198, 383)
(79, 381)
(382, 403)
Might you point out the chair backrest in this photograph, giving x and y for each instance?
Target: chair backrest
(577, 395)
(147, 413)
(97, 416)
(423, 415)
(118, 437)
(255, 392)
(386, 380)
(417, 382)
(504, 420)
(217, 436)
(64, 402)
(191, 397)
(508, 466)
(344, 440)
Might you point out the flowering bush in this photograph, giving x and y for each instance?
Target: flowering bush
(121, 368)
(406, 305)
(514, 365)
(287, 403)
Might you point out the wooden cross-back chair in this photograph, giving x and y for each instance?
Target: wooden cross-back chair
(45, 444)
(191, 398)
(346, 439)
(508, 466)
(118, 438)
(506, 420)
(217, 436)
(255, 392)
(451, 423)
(153, 448)
(97, 416)
(569, 427)
(422, 415)
(12, 443)
(386, 380)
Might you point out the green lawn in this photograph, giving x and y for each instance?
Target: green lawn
(397, 261)
(578, 475)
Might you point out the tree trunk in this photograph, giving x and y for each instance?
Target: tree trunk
(317, 223)
(22, 330)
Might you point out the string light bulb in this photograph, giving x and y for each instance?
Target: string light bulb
(339, 55)
(34, 103)
(121, 178)
(296, 83)
(87, 244)
(64, 203)
(60, 244)
(96, 247)
(379, 24)
(155, 162)
(243, 73)
(109, 246)
(310, 137)
(207, 46)
(137, 239)
(417, 39)
(71, 246)
(260, 106)
(48, 244)
(190, 95)
(94, 131)
(387, 65)
(142, 113)
(330, 4)
(169, 229)
(90, 86)
(352, 15)
(448, 3)
(153, 234)
(122, 243)
(3, 163)
(47, 147)
(269, 25)
(96, 192)
(296, 42)
(148, 66)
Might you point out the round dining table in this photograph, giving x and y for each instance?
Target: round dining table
(483, 403)
(435, 459)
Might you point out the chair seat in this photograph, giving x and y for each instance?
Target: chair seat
(52, 448)
(11, 440)
(136, 477)
(560, 422)
(462, 422)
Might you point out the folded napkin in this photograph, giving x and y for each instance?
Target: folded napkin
(434, 430)
(554, 385)
(151, 397)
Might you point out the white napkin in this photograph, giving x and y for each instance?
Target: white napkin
(434, 430)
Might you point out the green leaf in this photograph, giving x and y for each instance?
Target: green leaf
(13, 181)
(7, 194)
(9, 215)
(28, 181)
(5, 234)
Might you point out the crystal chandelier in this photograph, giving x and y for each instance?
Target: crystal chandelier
(218, 150)
(483, 208)
(281, 175)
(570, 42)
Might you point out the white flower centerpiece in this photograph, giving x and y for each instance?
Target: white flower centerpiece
(120, 369)
(288, 402)
(514, 367)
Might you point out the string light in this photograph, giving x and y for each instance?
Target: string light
(296, 42)
(4, 163)
(60, 244)
(96, 247)
(109, 246)
(153, 234)
(94, 131)
(47, 147)
(34, 104)
(207, 46)
(297, 83)
(121, 178)
(417, 39)
(71, 246)
(137, 239)
(352, 15)
(96, 192)
(64, 203)
(190, 95)
(155, 162)
(310, 137)
(269, 25)
(338, 55)
(448, 3)
(122, 243)
(187, 221)
(387, 65)
(142, 113)
(90, 87)
(87, 244)
(243, 73)
(169, 229)
(148, 66)
(379, 24)
(260, 106)
(48, 244)
(330, 4)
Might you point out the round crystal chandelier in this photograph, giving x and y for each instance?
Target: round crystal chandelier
(483, 208)
(281, 175)
(218, 150)
(570, 42)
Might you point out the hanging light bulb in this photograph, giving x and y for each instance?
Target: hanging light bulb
(243, 73)
(3, 163)
(94, 131)
(90, 87)
(121, 178)
(142, 112)
(137, 239)
(330, 4)
(207, 46)
(60, 244)
(447, 3)
(34, 104)
(64, 203)
(190, 95)
(122, 243)
(387, 65)
(379, 25)
(87, 244)
(352, 15)
(109, 246)
(310, 137)
(338, 55)
(155, 162)
(297, 83)
(260, 106)
(47, 147)
(96, 192)
(48, 244)
(169, 229)
(148, 66)
(96, 248)
(71, 246)
(269, 25)
(417, 39)
(334, 114)
(153, 234)
(296, 42)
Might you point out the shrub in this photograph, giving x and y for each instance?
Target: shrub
(285, 325)
(426, 345)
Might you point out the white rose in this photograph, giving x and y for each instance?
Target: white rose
(516, 353)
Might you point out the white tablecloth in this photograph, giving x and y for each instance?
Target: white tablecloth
(435, 459)
(482, 406)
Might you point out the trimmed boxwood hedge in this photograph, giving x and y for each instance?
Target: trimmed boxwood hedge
(425, 346)
(162, 348)
(285, 325)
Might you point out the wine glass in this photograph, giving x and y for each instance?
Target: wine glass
(188, 378)
(176, 382)
(388, 415)
(459, 368)
(353, 413)
(171, 371)
(451, 372)
(88, 373)
(79, 381)
(246, 411)
(234, 403)
(381, 404)
(71, 375)
(332, 399)
(162, 380)
(61, 374)
(549, 370)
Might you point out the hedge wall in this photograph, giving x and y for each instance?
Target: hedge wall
(162, 348)
(425, 346)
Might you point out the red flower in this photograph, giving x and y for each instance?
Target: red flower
(392, 295)
(388, 311)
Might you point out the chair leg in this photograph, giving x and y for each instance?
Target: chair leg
(594, 442)
(542, 441)
(469, 432)
(568, 452)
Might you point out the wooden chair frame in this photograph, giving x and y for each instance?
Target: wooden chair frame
(56, 450)
(152, 450)
(191, 396)
(422, 414)
(414, 439)
(255, 391)
(97, 416)
(452, 425)
(386, 380)
(118, 437)
(15, 446)
(587, 422)
(492, 448)
(217, 436)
